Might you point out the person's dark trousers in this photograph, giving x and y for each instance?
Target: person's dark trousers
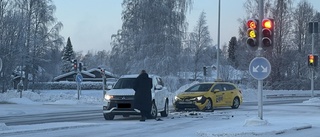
(143, 116)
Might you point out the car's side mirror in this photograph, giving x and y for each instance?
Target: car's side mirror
(158, 87)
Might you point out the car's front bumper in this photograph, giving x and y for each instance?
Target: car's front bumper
(189, 105)
(120, 107)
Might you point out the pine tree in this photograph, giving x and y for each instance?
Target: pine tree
(231, 51)
(67, 57)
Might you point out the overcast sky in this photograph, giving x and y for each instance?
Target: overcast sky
(90, 23)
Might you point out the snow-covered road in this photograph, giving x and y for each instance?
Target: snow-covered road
(279, 120)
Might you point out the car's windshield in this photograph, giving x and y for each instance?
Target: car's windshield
(199, 88)
(124, 83)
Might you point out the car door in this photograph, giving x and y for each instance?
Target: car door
(228, 93)
(159, 93)
(217, 95)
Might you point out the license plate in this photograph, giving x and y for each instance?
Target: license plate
(189, 102)
(124, 105)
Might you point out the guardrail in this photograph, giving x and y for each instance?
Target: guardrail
(290, 96)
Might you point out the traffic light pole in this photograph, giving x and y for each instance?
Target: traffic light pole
(260, 105)
(312, 68)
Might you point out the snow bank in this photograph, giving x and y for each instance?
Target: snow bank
(53, 97)
(256, 122)
(312, 101)
(3, 126)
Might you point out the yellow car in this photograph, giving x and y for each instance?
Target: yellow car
(208, 95)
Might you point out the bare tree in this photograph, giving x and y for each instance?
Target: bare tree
(302, 14)
(151, 36)
(28, 32)
(200, 41)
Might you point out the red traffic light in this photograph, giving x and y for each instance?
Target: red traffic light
(252, 35)
(252, 24)
(267, 23)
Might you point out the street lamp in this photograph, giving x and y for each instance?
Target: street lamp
(218, 49)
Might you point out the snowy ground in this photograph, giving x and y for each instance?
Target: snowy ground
(278, 119)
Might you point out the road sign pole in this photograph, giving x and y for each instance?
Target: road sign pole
(312, 82)
(78, 91)
(260, 105)
(103, 84)
(0, 64)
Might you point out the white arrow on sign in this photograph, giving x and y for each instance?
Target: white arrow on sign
(255, 69)
(264, 69)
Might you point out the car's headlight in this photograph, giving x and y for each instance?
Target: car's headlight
(176, 98)
(107, 97)
(199, 98)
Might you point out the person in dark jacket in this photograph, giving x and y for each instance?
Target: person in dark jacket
(142, 96)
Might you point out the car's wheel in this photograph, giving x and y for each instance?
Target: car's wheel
(154, 111)
(108, 116)
(236, 103)
(208, 106)
(165, 112)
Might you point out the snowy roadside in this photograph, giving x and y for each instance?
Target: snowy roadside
(277, 122)
(66, 100)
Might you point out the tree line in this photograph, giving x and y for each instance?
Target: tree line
(154, 36)
(29, 41)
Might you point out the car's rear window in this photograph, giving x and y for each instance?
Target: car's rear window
(199, 88)
(124, 83)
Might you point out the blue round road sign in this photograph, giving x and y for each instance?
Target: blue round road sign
(79, 78)
(259, 68)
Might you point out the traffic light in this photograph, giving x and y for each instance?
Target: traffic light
(312, 60)
(102, 71)
(80, 66)
(204, 71)
(75, 65)
(267, 33)
(252, 33)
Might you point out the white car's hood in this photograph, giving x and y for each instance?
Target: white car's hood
(121, 92)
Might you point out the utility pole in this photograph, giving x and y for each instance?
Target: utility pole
(218, 46)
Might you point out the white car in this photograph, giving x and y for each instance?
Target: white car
(119, 100)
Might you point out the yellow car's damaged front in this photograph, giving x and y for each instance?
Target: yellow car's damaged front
(207, 96)
(193, 101)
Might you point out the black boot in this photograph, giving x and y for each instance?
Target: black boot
(143, 118)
